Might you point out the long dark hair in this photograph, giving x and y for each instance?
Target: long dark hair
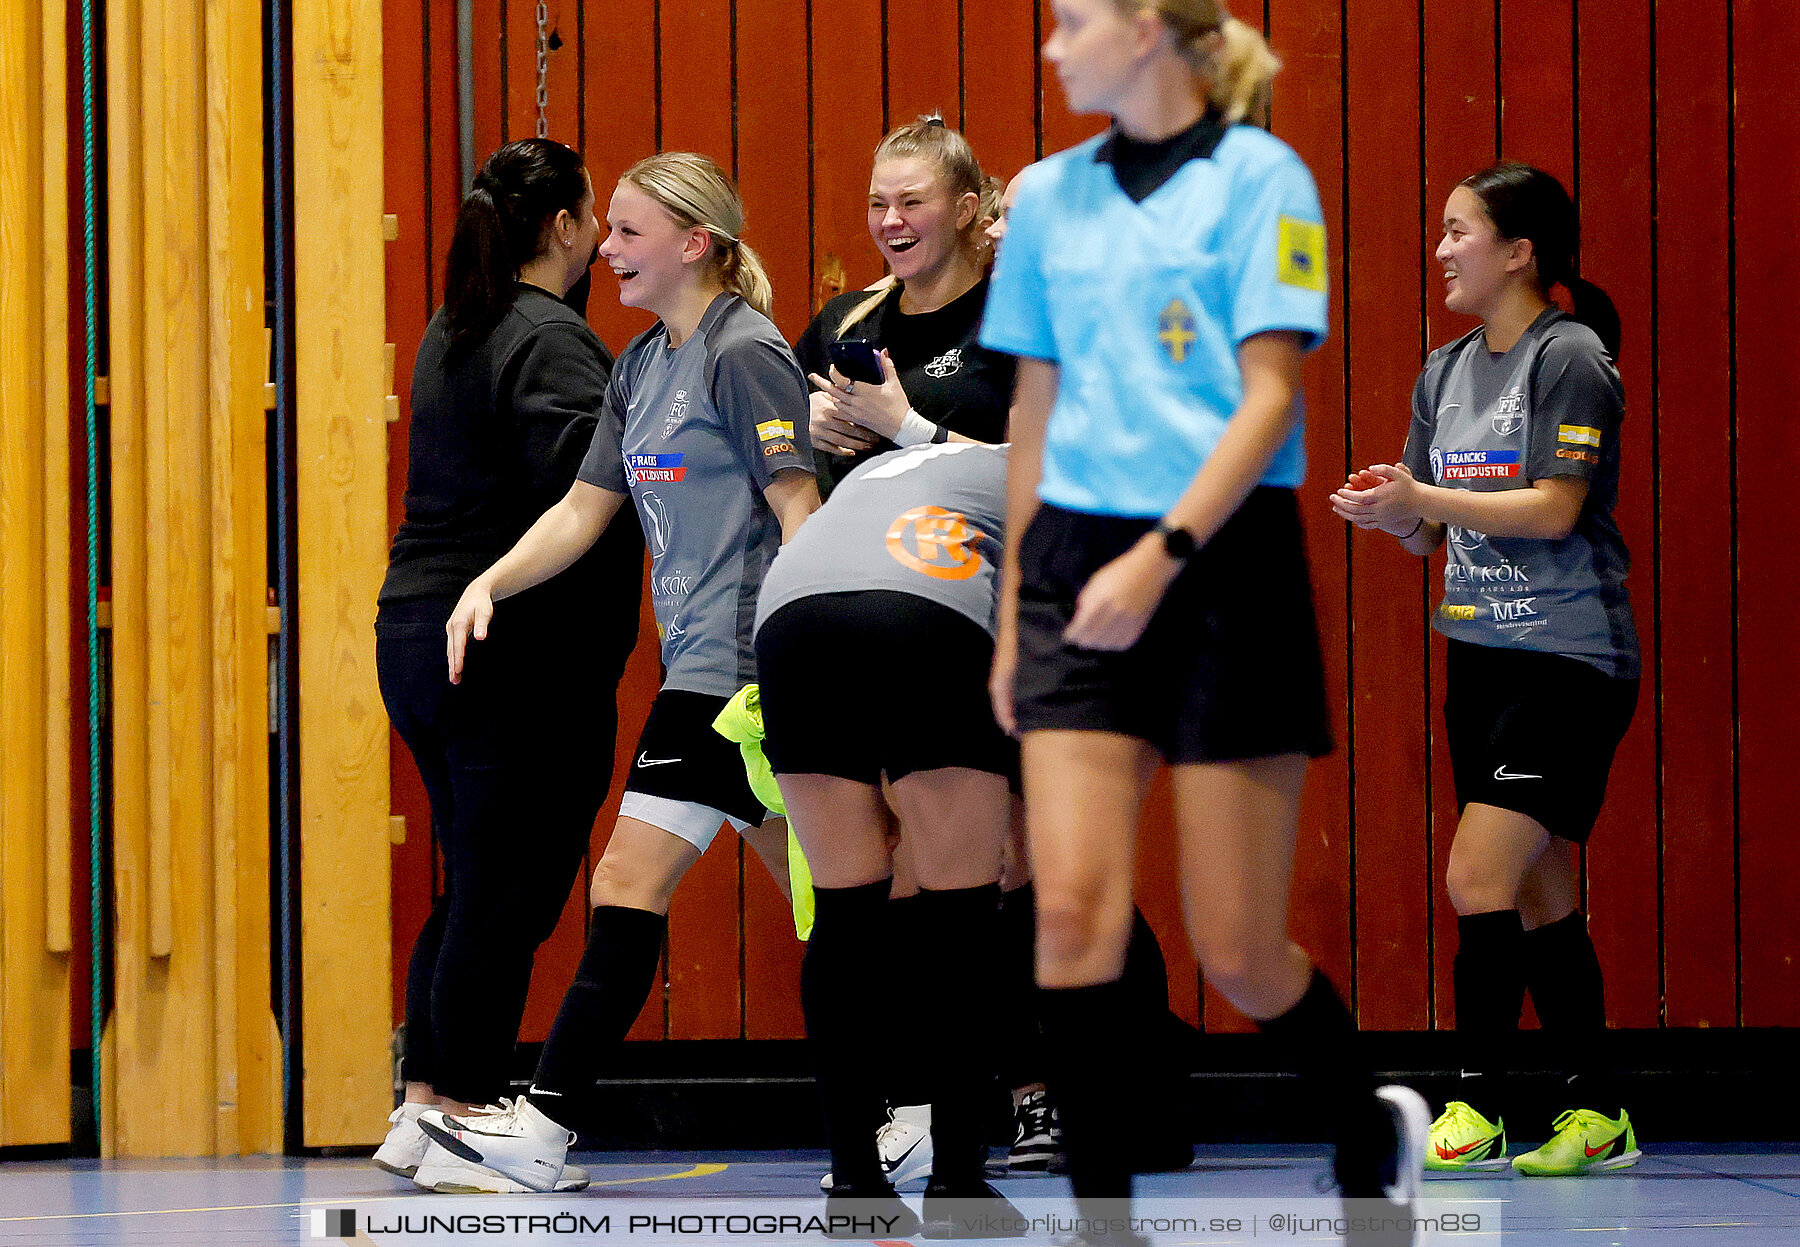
(500, 228)
(1524, 202)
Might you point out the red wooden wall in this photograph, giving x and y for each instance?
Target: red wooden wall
(1676, 125)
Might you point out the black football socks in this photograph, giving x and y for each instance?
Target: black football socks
(617, 971)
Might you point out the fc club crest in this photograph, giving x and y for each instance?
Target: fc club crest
(1509, 414)
(677, 413)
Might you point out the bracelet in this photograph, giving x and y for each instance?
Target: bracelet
(1415, 528)
(916, 430)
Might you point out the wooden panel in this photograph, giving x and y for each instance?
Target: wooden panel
(1459, 138)
(1490, 74)
(924, 61)
(1537, 84)
(490, 30)
(771, 49)
(125, 168)
(1613, 188)
(191, 1036)
(771, 42)
(846, 126)
(1390, 600)
(34, 970)
(706, 920)
(405, 103)
(620, 120)
(999, 112)
(697, 76)
(247, 1083)
(1766, 126)
(1307, 115)
(341, 491)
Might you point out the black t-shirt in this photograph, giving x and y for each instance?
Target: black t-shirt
(496, 438)
(948, 376)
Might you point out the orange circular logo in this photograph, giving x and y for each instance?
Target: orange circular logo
(936, 542)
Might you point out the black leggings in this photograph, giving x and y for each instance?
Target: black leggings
(516, 768)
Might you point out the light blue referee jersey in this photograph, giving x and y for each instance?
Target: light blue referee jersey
(1143, 306)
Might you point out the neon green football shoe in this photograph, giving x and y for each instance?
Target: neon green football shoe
(1461, 1138)
(1584, 1141)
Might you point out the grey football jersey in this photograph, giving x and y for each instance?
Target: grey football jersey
(707, 426)
(1550, 406)
(926, 521)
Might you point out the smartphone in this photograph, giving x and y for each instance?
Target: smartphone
(857, 360)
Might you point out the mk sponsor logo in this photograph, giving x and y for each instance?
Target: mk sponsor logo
(1510, 609)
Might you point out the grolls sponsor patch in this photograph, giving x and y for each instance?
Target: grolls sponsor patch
(774, 430)
(1584, 456)
(778, 448)
(1578, 434)
(647, 468)
(1470, 465)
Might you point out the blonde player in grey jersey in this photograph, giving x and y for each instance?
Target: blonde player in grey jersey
(1513, 458)
(704, 430)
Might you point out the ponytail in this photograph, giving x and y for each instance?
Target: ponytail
(741, 272)
(503, 224)
(1524, 202)
(478, 272)
(1243, 74)
(1234, 59)
(1595, 309)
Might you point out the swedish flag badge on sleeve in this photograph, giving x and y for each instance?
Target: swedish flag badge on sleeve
(1300, 253)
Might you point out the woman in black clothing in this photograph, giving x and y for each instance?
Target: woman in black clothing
(925, 196)
(505, 395)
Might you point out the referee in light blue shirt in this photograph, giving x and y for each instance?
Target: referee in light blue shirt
(1160, 285)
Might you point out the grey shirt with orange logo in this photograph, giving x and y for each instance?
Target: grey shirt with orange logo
(706, 426)
(927, 521)
(1550, 406)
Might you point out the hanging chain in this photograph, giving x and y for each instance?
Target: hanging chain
(543, 68)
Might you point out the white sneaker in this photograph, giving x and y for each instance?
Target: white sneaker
(904, 1144)
(451, 1175)
(517, 1141)
(1412, 1128)
(405, 1145)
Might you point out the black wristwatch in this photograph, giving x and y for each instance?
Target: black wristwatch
(1178, 542)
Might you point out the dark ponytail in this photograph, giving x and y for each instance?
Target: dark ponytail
(1524, 202)
(500, 227)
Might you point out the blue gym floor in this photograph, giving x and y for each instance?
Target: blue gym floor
(1674, 1197)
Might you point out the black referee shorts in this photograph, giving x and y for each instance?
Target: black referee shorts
(1534, 733)
(918, 703)
(1228, 668)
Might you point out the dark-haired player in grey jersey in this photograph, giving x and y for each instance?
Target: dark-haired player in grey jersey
(1513, 459)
